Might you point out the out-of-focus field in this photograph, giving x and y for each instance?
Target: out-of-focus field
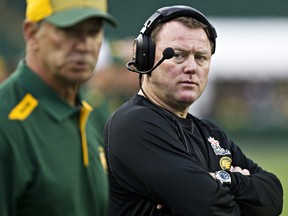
(271, 153)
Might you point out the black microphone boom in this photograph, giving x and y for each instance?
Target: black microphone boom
(168, 53)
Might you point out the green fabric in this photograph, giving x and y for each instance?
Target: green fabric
(71, 17)
(41, 162)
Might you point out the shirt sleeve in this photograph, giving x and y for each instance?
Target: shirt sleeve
(147, 158)
(260, 193)
(13, 173)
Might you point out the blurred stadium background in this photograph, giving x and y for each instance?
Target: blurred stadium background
(248, 90)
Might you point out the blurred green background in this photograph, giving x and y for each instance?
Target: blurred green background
(248, 90)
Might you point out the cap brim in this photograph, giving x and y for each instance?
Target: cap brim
(73, 16)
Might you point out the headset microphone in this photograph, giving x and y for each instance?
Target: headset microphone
(168, 53)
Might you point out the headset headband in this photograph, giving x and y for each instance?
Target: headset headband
(166, 14)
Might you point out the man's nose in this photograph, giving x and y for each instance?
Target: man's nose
(83, 41)
(191, 65)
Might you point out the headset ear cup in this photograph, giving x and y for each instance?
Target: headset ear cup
(151, 53)
(144, 52)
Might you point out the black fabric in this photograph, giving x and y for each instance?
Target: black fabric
(154, 158)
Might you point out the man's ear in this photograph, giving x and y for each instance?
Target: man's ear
(29, 29)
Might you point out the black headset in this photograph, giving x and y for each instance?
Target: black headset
(144, 50)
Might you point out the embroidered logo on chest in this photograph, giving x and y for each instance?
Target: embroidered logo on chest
(225, 163)
(217, 148)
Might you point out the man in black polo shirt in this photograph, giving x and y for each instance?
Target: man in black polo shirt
(162, 160)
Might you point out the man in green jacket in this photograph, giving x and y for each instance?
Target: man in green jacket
(51, 159)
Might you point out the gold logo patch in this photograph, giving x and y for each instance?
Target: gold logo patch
(225, 163)
(24, 108)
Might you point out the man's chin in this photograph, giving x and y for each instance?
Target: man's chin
(188, 99)
(78, 79)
